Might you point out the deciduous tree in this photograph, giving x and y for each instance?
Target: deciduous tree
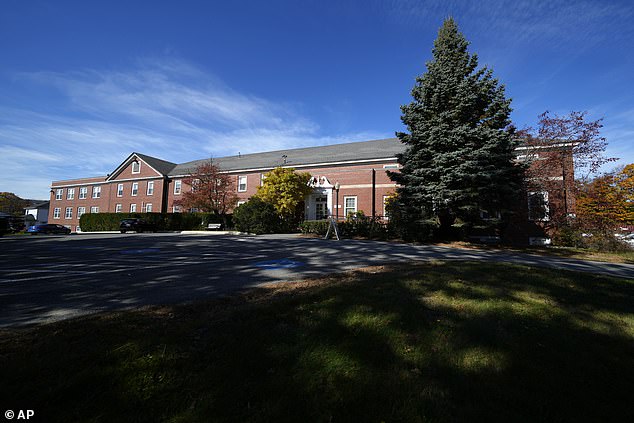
(607, 201)
(212, 190)
(459, 157)
(285, 189)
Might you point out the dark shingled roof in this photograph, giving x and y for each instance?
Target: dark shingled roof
(161, 166)
(354, 151)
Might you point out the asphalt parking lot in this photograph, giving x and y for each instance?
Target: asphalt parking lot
(48, 278)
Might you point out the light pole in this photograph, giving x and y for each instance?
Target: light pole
(337, 186)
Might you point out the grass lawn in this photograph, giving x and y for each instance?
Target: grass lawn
(626, 256)
(404, 343)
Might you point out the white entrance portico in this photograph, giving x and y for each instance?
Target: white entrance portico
(319, 202)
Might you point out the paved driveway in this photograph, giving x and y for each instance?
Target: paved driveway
(44, 279)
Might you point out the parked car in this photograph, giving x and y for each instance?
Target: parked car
(628, 239)
(137, 225)
(48, 229)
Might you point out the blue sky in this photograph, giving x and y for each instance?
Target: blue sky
(85, 83)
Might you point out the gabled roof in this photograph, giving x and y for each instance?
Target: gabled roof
(162, 167)
(328, 154)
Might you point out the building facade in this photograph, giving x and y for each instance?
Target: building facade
(347, 178)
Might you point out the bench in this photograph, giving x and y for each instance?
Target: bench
(215, 226)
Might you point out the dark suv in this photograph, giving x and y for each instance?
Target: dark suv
(137, 225)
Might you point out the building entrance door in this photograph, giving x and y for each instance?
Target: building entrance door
(321, 207)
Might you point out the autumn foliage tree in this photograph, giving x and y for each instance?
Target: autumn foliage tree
(285, 189)
(607, 201)
(212, 191)
(559, 147)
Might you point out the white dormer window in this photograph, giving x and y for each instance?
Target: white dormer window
(136, 167)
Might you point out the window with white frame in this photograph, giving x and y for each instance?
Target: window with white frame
(136, 167)
(177, 186)
(262, 178)
(83, 193)
(135, 189)
(148, 208)
(195, 184)
(118, 208)
(538, 208)
(59, 193)
(349, 205)
(242, 183)
(133, 208)
(96, 191)
(241, 202)
(57, 212)
(94, 209)
(150, 188)
(120, 190)
(390, 166)
(69, 213)
(176, 209)
(386, 214)
(70, 194)
(80, 211)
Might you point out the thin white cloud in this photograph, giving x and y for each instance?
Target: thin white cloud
(168, 109)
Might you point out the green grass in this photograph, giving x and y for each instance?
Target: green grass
(435, 342)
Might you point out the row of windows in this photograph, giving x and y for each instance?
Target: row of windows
(134, 190)
(69, 212)
(146, 208)
(83, 193)
(57, 211)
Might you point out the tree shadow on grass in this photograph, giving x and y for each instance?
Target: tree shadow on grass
(439, 342)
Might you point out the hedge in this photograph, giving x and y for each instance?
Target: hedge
(92, 222)
(355, 227)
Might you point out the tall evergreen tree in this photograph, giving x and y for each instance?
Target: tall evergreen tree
(459, 157)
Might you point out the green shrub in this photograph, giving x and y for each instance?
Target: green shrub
(92, 222)
(318, 227)
(257, 217)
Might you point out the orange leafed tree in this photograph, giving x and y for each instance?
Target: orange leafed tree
(608, 201)
(211, 190)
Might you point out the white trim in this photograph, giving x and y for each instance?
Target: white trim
(122, 190)
(326, 164)
(147, 188)
(85, 192)
(178, 183)
(81, 210)
(123, 165)
(68, 215)
(118, 208)
(545, 147)
(368, 186)
(133, 208)
(70, 194)
(147, 208)
(138, 163)
(78, 182)
(94, 209)
(59, 194)
(96, 191)
(57, 212)
(132, 193)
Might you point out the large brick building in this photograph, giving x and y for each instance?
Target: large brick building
(346, 178)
